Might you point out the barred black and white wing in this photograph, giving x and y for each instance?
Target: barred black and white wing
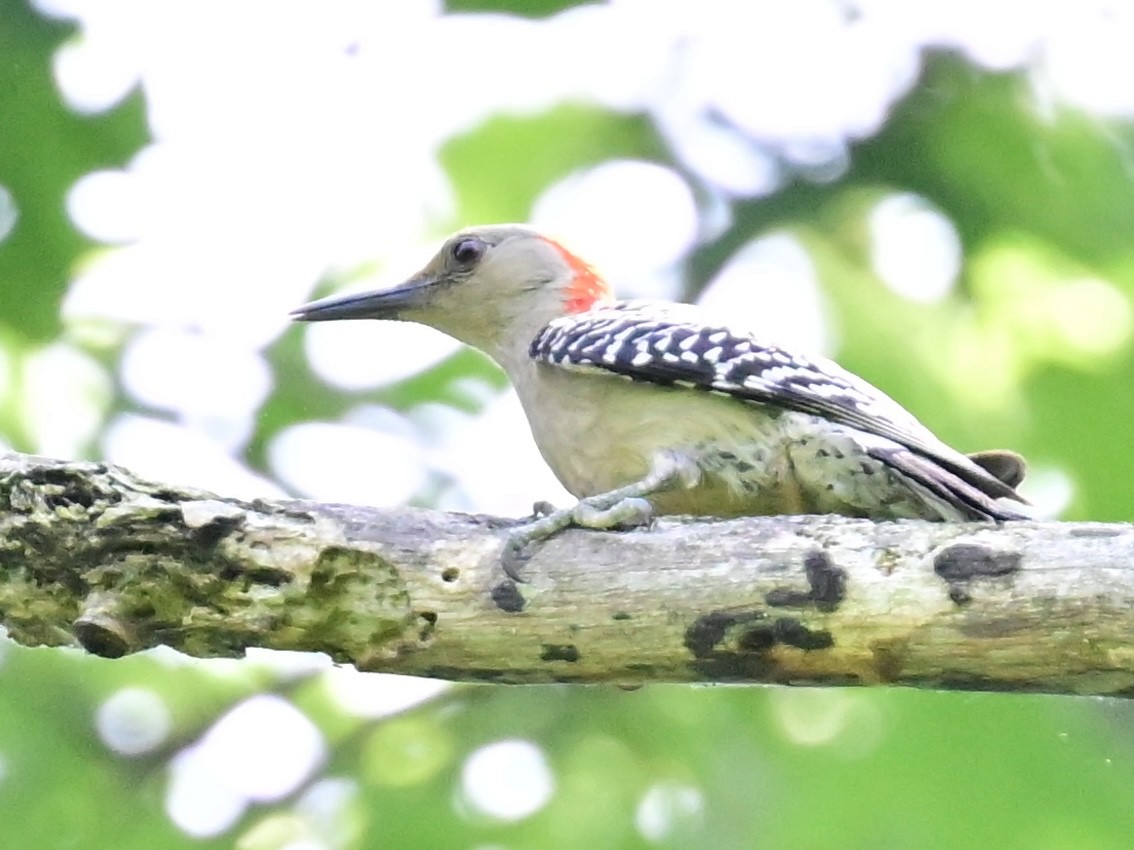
(670, 345)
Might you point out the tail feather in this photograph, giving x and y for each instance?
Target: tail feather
(975, 493)
(1002, 464)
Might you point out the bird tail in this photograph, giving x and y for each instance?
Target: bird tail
(984, 488)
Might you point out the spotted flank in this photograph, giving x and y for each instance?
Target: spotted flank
(669, 344)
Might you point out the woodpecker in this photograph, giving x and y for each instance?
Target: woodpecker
(645, 408)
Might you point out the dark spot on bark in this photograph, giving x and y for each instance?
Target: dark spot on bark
(621, 615)
(736, 667)
(744, 466)
(429, 621)
(964, 561)
(959, 595)
(559, 652)
(262, 574)
(708, 630)
(827, 585)
(867, 469)
(822, 453)
(508, 597)
(785, 597)
(207, 536)
(838, 453)
(727, 455)
(71, 496)
(752, 659)
(828, 582)
(757, 639)
(450, 574)
(791, 631)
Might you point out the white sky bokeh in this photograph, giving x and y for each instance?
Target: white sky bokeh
(770, 285)
(9, 213)
(239, 762)
(668, 808)
(507, 780)
(915, 248)
(658, 223)
(133, 721)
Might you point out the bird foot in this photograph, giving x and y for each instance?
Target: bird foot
(622, 514)
(604, 512)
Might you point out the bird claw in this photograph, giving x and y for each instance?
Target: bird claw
(600, 513)
(623, 514)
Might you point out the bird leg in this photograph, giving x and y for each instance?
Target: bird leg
(624, 507)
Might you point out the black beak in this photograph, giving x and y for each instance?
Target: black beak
(383, 304)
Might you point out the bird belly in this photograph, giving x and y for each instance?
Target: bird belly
(606, 432)
(610, 432)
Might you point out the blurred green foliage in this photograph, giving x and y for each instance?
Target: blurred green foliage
(1039, 200)
(44, 149)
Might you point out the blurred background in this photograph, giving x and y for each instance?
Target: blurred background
(939, 194)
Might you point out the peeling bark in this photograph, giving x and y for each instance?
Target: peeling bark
(92, 556)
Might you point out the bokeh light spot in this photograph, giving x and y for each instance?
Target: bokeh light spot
(507, 780)
(133, 721)
(330, 808)
(667, 808)
(65, 395)
(632, 220)
(240, 760)
(915, 249)
(406, 751)
(105, 205)
(1092, 315)
(9, 213)
(196, 800)
(93, 74)
(1050, 490)
(214, 385)
(165, 451)
(348, 463)
(770, 287)
(376, 694)
(360, 355)
(850, 724)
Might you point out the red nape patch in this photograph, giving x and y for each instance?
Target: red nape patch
(586, 288)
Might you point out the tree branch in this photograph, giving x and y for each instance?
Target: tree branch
(95, 556)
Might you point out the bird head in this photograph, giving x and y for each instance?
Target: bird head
(489, 287)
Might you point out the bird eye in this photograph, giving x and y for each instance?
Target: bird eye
(468, 251)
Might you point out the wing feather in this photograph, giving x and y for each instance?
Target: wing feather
(669, 344)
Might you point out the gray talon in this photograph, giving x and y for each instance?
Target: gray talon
(626, 513)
